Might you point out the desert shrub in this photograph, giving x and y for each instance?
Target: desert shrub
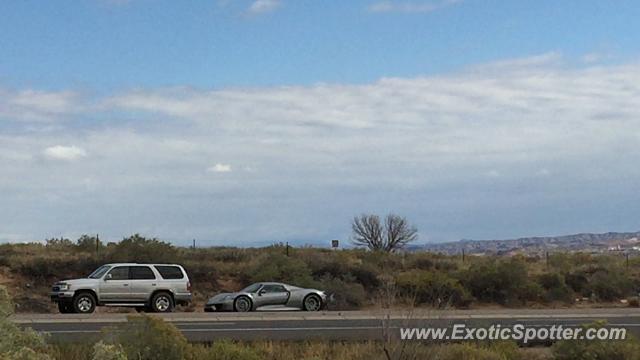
(16, 343)
(555, 287)
(346, 292)
(503, 282)
(279, 267)
(596, 349)
(137, 248)
(47, 267)
(89, 243)
(102, 351)
(471, 351)
(224, 350)
(610, 285)
(578, 282)
(421, 263)
(148, 338)
(434, 288)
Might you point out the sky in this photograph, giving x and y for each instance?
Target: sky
(250, 122)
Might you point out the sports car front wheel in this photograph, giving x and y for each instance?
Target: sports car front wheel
(242, 304)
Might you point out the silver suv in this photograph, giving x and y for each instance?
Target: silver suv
(154, 287)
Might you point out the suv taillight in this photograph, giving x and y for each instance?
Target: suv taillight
(188, 285)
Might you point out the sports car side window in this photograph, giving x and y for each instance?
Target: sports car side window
(273, 289)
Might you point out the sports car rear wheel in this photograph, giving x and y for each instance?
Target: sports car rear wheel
(242, 304)
(312, 303)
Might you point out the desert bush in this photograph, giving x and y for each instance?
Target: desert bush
(434, 288)
(502, 282)
(139, 249)
(224, 350)
(555, 287)
(148, 338)
(472, 351)
(610, 285)
(347, 293)
(279, 267)
(102, 351)
(15, 343)
(596, 349)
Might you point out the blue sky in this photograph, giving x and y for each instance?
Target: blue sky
(248, 122)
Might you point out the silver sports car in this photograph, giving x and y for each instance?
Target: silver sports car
(268, 296)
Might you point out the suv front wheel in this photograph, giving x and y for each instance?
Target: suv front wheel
(84, 303)
(65, 307)
(162, 302)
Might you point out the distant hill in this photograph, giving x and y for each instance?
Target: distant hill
(611, 241)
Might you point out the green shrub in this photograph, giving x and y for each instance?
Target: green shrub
(148, 338)
(15, 343)
(596, 349)
(433, 288)
(504, 282)
(555, 288)
(102, 351)
(224, 350)
(139, 249)
(610, 285)
(279, 267)
(471, 351)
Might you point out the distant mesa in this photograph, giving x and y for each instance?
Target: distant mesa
(587, 242)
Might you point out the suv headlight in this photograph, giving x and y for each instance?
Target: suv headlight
(63, 287)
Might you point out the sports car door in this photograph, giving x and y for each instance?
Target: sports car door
(272, 295)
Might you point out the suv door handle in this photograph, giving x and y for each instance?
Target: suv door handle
(153, 284)
(125, 284)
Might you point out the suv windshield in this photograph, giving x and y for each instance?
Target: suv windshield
(99, 272)
(251, 288)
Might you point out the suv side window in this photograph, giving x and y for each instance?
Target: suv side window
(169, 272)
(141, 273)
(274, 289)
(119, 273)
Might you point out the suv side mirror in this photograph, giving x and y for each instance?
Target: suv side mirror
(262, 292)
(108, 277)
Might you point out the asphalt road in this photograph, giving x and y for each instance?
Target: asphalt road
(350, 325)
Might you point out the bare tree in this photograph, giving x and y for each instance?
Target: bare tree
(389, 236)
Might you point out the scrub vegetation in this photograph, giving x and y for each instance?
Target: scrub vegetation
(356, 277)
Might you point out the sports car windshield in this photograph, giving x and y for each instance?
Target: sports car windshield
(251, 288)
(99, 272)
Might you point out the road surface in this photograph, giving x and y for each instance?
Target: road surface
(330, 325)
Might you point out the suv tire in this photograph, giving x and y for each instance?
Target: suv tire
(162, 302)
(84, 303)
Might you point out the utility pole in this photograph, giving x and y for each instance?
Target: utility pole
(627, 260)
(194, 244)
(463, 255)
(287, 248)
(97, 244)
(546, 258)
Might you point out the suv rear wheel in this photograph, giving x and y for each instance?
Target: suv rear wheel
(162, 302)
(84, 303)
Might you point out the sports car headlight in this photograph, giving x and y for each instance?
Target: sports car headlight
(227, 297)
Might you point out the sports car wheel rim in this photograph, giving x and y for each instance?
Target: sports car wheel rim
(84, 304)
(312, 304)
(243, 305)
(162, 303)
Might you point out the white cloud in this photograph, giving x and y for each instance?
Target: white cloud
(68, 153)
(410, 7)
(35, 105)
(220, 168)
(328, 151)
(263, 6)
